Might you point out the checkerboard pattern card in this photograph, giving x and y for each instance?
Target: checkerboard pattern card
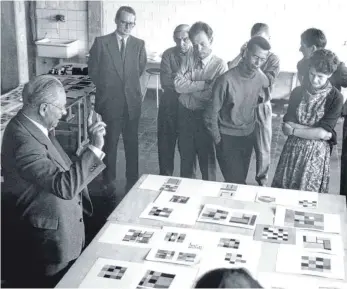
(165, 275)
(320, 242)
(307, 200)
(175, 237)
(108, 273)
(232, 243)
(307, 219)
(171, 213)
(228, 190)
(309, 263)
(308, 203)
(171, 185)
(179, 199)
(234, 258)
(273, 234)
(129, 235)
(215, 215)
(174, 255)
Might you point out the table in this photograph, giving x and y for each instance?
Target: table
(137, 199)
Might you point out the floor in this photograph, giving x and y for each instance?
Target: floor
(148, 162)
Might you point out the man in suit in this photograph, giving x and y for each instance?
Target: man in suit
(44, 194)
(168, 107)
(116, 62)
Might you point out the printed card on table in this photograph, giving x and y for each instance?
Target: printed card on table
(153, 182)
(108, 273)
(238, 192)
(176, 199)
(320, 242)
(231, 258)
(227, 216)
(130, 235)
(171, 214)
(274, 234)
(161, 275)
(310, 263)
(307, 200)
(175, 255)
(309, 220)
(273, 196)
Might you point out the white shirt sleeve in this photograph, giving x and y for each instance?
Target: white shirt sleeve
(98, 152)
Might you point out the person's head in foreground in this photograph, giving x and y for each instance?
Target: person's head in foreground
(201, 36)
(323, 63)
(181, 38)
(312, 39)
(227, 278)
(256, 53)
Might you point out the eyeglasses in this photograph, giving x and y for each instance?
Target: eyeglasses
(125, 23)
(63, 109)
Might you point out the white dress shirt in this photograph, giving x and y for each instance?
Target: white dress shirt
(98, 152)
(119, 39)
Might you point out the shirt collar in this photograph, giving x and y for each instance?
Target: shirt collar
(39, 126)
(119, 37)
(206, 60)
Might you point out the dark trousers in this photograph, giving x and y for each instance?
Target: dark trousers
(343, 181)
(194, 140)
(167, 131)
(234, 157)
(129, 129)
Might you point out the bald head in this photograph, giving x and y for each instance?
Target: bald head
(181, 37)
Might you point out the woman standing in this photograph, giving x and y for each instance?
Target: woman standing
(309, 123)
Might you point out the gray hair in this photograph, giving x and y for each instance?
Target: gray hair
(41, 89)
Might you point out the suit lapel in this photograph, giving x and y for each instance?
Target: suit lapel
(40, 137)
(114, 51)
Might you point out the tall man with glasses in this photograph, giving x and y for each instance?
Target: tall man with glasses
(44, 193)
(116, 63)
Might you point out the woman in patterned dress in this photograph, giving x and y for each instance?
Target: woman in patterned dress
(309, 123)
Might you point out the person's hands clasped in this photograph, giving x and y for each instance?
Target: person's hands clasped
(96, 131)
(287, 129)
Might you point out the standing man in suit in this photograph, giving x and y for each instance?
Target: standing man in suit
(44, 194)
(168, 107)
(116, 63)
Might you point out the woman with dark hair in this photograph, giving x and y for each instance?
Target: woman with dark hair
(227, 278)
(309, 123)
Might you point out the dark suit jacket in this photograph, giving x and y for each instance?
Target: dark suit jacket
(43, 195)
(115, 82)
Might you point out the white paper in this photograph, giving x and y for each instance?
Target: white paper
(129, 235)
(238, 192)
(108, 273)
(309, 263)
(153, 182)
(228, 216)
(274, 234)
(307, 200)
(230, 258)
(285, 281)
(274, 196)
(320, 242)
(178, 276)
(308, 220)
(174, 255)
(171, 214)
(177, 199)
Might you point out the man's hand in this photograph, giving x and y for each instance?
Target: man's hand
(266, 82)
(327, 136)
(96, 131)
(287, 129)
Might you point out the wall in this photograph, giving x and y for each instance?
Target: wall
(9, 60)
(232, 20)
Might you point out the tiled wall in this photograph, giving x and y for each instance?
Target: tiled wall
(74, 27)
(232, 20)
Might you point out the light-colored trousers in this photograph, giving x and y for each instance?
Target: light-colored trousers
(262, 144)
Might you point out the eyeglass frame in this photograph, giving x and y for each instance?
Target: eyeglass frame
(63, 109)
(125, 23)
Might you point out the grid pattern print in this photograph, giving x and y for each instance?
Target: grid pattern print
(318, 264)
(186, 257)
(308, 203)
(175, 237)
(229, 243)
(317, 243)
(112, 272)
(164, 254)
(160, 212)
(242, 218)
(138, 236)
(171, 185)
(154, 279)
(179, 199)
(214, 214)
(234, 258)
(228, 190)
(304, 219)
(271, 233)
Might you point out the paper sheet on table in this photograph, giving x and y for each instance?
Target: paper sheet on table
(307, 219)
(307, 200)
(238, 192)
(172, 214)
(309, 263)
(177, 199)
(153, 182)
(274, 234)
(108, 273)
(167, 275)
(285, 281)
(275, 196)
(130, 235)
(320, 242)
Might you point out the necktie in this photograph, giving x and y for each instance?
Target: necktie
(122, 49)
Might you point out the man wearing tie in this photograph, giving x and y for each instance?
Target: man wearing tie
(116, 62)
(44, 194)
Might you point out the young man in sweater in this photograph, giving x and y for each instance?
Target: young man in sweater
(231, 116)
(263, 128)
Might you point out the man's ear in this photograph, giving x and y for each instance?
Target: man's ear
(43, 109)
(211, 40)
(313, 48)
